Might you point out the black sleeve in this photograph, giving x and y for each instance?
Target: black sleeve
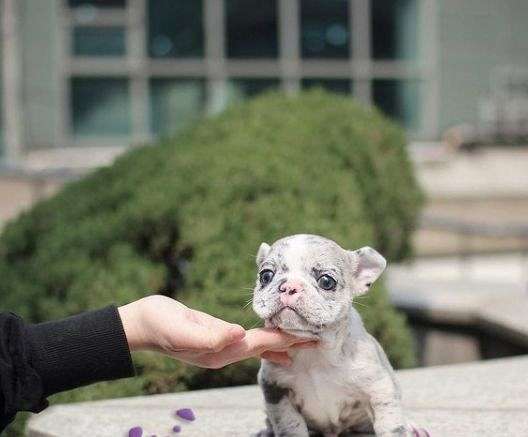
(39, 360)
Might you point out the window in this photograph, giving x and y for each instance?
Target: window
(324, 29)
(2, 115)
(175, 102)
(97, 3)
(338, 86)
(251, 27)
(98, 41)
(399, 99)
(175, 28)
(394, 29)
(170, 80)
(100, 107)
(240, 89)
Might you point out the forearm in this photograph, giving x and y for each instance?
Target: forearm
(39, 360)
(20, 385)
(80, 350)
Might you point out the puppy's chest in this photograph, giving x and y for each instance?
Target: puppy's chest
(326, 395)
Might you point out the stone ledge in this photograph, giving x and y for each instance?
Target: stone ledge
(488, 398)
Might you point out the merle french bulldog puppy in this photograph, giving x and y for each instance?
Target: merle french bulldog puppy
(305, 286)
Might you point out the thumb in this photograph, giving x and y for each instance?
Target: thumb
(212, 334)
(264, 339)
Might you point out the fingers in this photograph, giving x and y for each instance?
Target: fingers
(218, 336)
(210, 342)
(306, 345)
(256, 342)
(236, 331)
(280, 358)
(194, 331)
(265, 339)
(269, 344)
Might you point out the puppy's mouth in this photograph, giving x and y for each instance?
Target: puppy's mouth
(289, 319)
(285, 310)
(288, 308)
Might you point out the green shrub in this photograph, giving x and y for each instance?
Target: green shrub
(186, 216)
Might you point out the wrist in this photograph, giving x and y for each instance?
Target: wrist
(133, 325)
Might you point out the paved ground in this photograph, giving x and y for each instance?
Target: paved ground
(479, 399)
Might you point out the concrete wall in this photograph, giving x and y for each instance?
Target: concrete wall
(2, 145)
(39, 36)
(475, 36)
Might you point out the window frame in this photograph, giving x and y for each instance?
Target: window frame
(217, 69)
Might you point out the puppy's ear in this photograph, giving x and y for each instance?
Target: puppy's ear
(262, 253)
(369, 266)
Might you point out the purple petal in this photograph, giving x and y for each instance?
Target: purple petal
(176, 428)
(186, 413)
(426, 432)
(136, 431)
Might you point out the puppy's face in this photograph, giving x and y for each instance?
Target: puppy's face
(306, 283)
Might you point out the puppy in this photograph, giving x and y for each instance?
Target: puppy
(305, 286)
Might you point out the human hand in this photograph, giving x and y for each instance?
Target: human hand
(165, 325)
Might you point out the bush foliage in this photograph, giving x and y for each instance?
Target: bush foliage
(185, 217)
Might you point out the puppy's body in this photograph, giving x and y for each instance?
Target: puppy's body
(306, 285)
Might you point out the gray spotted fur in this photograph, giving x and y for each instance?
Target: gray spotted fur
(346, 384)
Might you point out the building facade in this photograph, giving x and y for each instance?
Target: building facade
(114, 73)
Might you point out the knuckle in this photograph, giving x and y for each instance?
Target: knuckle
(215, 344)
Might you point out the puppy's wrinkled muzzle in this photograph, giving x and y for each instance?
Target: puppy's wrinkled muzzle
(290, 292)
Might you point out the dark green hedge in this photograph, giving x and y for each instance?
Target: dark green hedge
(186, 216)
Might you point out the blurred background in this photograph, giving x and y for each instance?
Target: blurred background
(83, 81)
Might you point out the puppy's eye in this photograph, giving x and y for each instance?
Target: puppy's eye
(326, 282)
(265, 277)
